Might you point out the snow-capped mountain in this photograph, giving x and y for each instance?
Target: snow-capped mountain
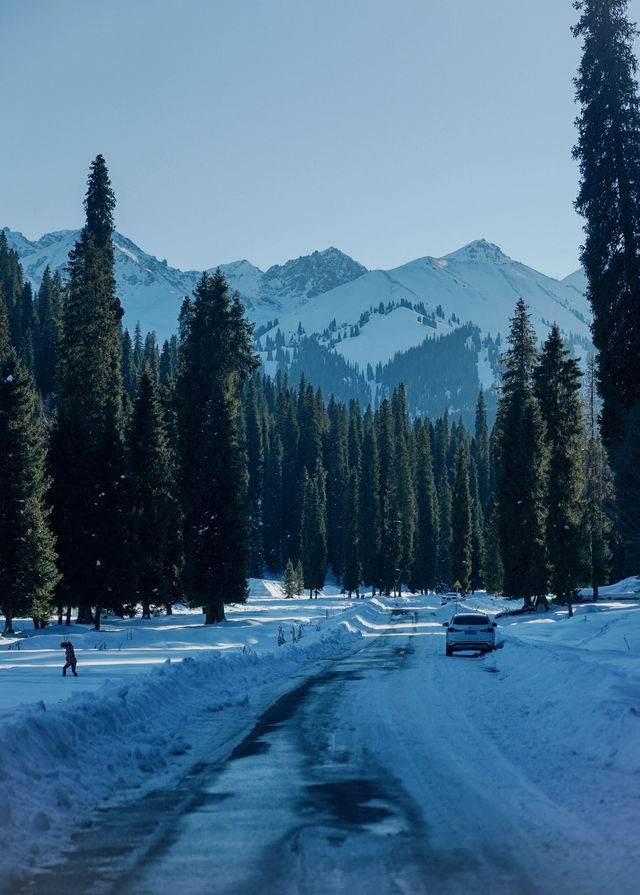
(363, 319)
(477, 284)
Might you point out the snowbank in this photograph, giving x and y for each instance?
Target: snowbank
(60, 756)
(562, 702)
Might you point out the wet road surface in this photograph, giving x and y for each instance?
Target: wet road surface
(300, 804)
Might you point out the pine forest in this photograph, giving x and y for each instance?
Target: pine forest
(139, 475)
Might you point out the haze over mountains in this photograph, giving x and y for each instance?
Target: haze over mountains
(355, 331)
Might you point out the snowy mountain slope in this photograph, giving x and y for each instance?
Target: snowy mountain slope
(151, 291)
(478, 283)
(382, 314)
(306, 277)
(366, 318)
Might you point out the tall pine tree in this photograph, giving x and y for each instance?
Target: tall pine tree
(369, 510)
(155, 511)
(90, 501)
(28, 571)
(313, 538)
(460, 549)
(557, 387)
(426, 542)
(216, 355)
(520, 459)
(608, 149)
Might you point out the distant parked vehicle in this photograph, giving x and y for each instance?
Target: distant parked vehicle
(448, 598)
(470, 631)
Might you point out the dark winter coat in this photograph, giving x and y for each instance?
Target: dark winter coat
(69, 653)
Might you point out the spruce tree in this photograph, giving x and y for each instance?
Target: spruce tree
(272, 510)
(155, 512)
(28, 571)
(598, 496)
(390, 520)
(254, 443)
(369, 511)
(352, 567)
(216, 356)
(29, 336)
(337, 469)
(520, 458)
(403, 497)
(607, 150)
(167, 368)
(443, 560)
(461, 523)
(424, 566)
(310, 412)
(288, 431)
(299, 577)
(151, 356)
(557, 386)
(12, 285)
(480, 450)
(49, 319)
(313, 539)
(441, 438)
(493, 570)
(138, 348)
(289, 580)
(477, 531)
(129, 372)
(90, 501)
(356, 434)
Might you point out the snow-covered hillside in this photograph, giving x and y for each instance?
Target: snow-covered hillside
(477, 283)
(364, 318)
(151, 291)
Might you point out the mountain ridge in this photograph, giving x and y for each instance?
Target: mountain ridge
(361, 320)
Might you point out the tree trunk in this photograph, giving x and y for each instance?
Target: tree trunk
(146, 611)
(60, 614)
(8, 621)
(68, 621)
(96, 620)
(214, 612)
(84, 615)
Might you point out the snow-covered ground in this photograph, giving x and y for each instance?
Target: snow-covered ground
(562, 702)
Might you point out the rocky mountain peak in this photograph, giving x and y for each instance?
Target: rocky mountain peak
(480, 251)
(311, 275)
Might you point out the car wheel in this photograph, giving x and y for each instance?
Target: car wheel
(449, 651)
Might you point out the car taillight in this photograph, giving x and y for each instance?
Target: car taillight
(488, 630)
(454, 630)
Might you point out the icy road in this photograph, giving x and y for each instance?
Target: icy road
(390, 770)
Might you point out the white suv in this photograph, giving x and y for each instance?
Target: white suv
(470, 631)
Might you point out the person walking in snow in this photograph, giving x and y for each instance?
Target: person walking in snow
(70, 658)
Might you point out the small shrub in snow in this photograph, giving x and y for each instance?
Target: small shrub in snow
(281, 637)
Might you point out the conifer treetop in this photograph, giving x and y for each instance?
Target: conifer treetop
(99, 203)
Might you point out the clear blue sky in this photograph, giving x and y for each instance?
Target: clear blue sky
(266, 129)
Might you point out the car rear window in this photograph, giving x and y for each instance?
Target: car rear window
(471, 620)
